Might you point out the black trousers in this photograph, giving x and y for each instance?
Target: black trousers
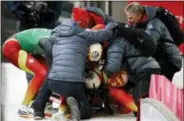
(42, 98)
(141, 87)
(76, 90)
(168, 69)
(140, 84)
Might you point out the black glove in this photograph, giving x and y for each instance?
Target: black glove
(138, 37)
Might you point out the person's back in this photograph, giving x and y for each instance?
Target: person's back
(29, 39)
(121, 54)
(70, 50)
(69, 53)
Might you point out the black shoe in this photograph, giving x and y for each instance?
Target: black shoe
(39, 116)
(74, 108)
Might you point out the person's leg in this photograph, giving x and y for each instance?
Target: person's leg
(40, 72)
(24, 61)
(168, 69)
(30, 76)
(84, 105)
(68, 90)
(141, 90)
(42, 61)
(122, 98)
(41, 100)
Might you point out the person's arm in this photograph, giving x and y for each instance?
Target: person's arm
(154, 29)
(46, 45)
(95, 36)
(114, 57)
(141, 39)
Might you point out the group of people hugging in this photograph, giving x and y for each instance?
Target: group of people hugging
(91, 60)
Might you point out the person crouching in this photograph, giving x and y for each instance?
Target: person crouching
(66, 77)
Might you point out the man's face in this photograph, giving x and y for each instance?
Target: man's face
(133, 18)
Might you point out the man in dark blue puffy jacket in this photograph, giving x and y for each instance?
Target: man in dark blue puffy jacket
(70, 51)
(121, 55)
(167, 53)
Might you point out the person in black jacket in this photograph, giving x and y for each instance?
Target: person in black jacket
(167, 53)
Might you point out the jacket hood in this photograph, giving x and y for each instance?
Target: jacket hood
(97, 11)
(150, 12)
(66, 29)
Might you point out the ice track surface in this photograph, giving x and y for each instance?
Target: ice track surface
(14, 86)
(13, 89)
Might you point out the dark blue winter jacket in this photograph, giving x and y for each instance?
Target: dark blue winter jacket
(121, 55)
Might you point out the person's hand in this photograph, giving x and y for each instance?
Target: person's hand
(122, 28)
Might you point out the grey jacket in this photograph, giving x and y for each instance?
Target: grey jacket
(117, 59)
(70, 50)
(166, 49)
